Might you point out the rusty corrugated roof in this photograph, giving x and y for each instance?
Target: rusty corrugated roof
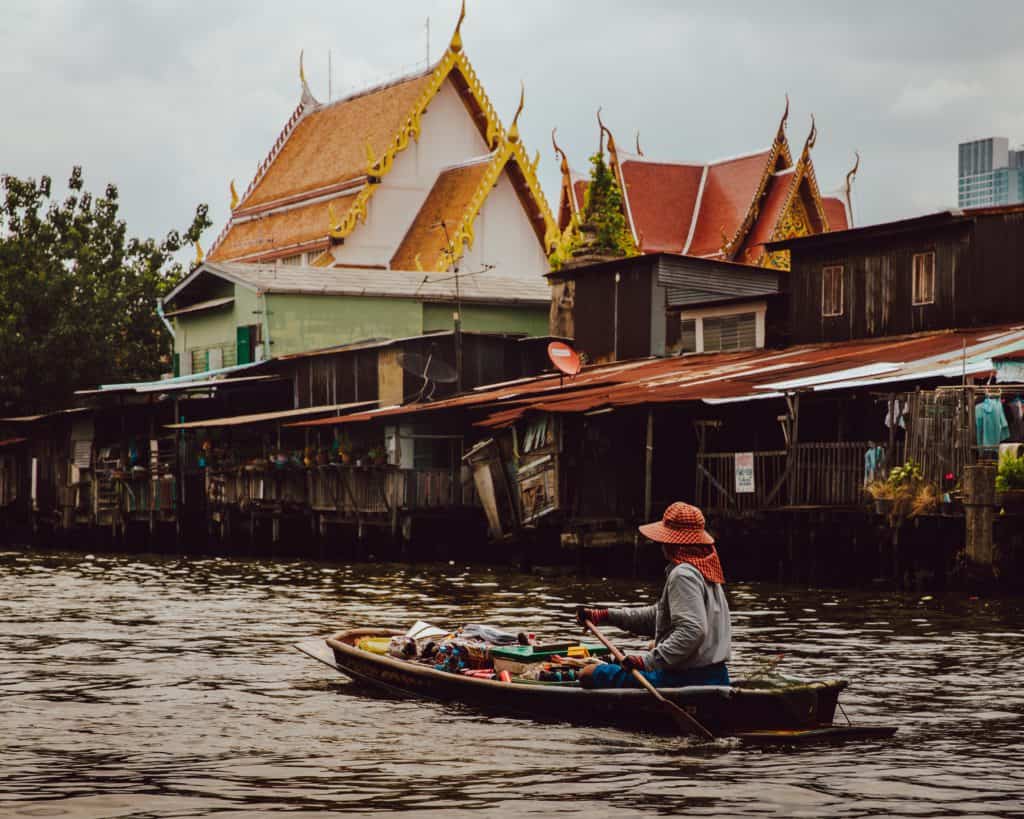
(724, 377)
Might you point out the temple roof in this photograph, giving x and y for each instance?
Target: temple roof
(329, 144)
(280, 233)
(425, 243)
(837, 213)
(729, 190)
(315, 185)
(662, 198)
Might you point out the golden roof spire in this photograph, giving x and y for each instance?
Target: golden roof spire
(513, 129)
(781, 134)
(307, 95)
(559, 152)
(456, 43)
(234, 195)
(638, 151)
(199, 252)
(849, 186)
(812, 137)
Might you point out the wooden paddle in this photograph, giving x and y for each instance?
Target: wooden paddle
(684, 722)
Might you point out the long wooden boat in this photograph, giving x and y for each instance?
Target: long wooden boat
(798, 711)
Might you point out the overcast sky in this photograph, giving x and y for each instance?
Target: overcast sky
(172, 99)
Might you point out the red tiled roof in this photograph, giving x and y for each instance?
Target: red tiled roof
(662, 197)
(729, 190)
(768, 219)
(835, 213)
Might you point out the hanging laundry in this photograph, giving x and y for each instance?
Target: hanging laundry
(991, 426)
(874, 464)
(896, 413)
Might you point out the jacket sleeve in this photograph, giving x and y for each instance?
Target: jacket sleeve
(639, 621)
(689, 621)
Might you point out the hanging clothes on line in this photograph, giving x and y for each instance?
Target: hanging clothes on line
(1015, 418)
(874, 464)
(895, 413)
(991, 426)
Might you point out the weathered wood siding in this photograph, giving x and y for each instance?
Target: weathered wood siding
(979, 280)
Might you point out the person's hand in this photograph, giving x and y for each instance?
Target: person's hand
(633, 662)
(595, 616)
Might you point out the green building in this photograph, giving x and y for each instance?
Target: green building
(225, 314)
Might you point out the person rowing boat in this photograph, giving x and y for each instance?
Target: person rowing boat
(689, 623)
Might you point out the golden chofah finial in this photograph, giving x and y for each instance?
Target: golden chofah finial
(199, 252)
(456, 43)
(513, 129)
(302, 68)
(234, 195)
(605, 130)
(852, 172)
(639, 152)
(307, 95)
(812, 137)
(782, 122)
(559, 152)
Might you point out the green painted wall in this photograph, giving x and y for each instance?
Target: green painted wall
(195, 333)
(486, 318)
(300, 323)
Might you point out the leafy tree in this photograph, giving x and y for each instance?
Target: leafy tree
(77, 294)
(604, 211)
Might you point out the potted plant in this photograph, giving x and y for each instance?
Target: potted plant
(881, 493)
(1010, 484)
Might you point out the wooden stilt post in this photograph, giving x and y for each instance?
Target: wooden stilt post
(649, 465)
(979, 507)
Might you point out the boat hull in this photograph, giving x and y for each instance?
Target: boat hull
(743, 708)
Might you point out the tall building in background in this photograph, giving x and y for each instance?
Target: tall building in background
(990, 173)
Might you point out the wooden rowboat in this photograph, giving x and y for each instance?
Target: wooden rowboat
(799, 711)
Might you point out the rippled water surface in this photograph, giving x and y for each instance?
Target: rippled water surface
(139, 687)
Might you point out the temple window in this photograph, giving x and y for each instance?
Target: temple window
(832, 290)
(924, 278)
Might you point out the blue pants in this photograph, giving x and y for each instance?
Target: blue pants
(611, 675)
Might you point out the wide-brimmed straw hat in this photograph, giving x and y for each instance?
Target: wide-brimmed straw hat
(681, 523)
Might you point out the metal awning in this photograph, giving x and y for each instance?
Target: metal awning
(260, 417)
(150, 387)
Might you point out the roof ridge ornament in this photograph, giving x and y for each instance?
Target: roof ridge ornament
(559, 153)
(780, 135)
(513, 129)
(234, 195)
(307, 96)
(456, 43)
(812, 137)
(850, 174)
(604, 130)
(639, 152)
(199, 252)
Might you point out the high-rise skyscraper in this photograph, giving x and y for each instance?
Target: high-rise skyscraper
(990, 173)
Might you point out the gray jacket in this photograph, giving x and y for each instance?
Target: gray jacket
(690, 623)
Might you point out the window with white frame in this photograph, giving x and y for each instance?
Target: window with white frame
(832, 290)
(924, 278)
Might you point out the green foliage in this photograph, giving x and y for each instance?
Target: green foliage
(1010, 475)
(604, 211)
(77, 294)
(906, 475)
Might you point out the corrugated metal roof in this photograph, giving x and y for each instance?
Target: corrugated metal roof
(726, 377)
(259, 417)
(485, 287)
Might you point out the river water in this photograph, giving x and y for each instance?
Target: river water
(142, 687)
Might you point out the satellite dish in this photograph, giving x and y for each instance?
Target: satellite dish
(564, 357)
(428, 368)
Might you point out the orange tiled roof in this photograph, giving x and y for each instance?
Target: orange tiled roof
(328, 145)
(662, 197)
(263, 236)
(836, 213)
(729, 190)
(447, 201)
